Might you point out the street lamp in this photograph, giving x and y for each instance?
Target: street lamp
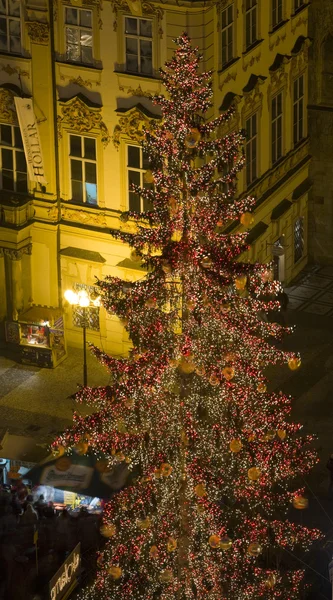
(83, 300)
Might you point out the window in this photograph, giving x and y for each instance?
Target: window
(277, 12)
(79, 38)
(298, 4)
(13, 164)
(139, 45)
(137, 164)
(277, 128)
(251, 149)
(298, 239)
(91, 312)
(83, 169)
(251, 34)
(227, 35)
(10, 26)
(298, 116)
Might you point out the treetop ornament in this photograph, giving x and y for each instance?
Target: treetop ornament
(211, 452)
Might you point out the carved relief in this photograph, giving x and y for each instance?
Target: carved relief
(38, 32)
(253, 100)
(281, 170)
(136, 91)
(279, 80)
(300, 61)
(277, 41)
(7, 106)
(301, 21)
(229, 77)
(131, 126)
(85, 217)
(84, 83)
(14, 70)
(250, 63)
(14, 254)
(138, 8)
(82, 118)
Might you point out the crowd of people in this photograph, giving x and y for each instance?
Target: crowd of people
(35, 539)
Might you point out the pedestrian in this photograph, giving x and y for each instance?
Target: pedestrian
(40, 505)
(330, 468)
(29, 517)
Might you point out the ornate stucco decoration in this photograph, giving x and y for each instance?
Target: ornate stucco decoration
(86, 217)
(138, 8)
(132, 126)
(14, 71)
(80, 117)
(38, 32)
(136, 91)
(301, 21)
(230, 77)
(253, 99)
(84, 83)
(279, 79)
(14, 254)
(277, 41)
(299, 61)
(7, 107)
(255, 58)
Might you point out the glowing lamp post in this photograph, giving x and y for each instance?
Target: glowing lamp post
(83, 300)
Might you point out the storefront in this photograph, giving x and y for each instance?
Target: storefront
(37, 337)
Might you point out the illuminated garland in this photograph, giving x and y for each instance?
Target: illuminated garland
(190, 409)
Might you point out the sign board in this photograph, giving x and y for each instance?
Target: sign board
(66, 576)
(30, 137)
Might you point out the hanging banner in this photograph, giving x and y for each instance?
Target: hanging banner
(30, 136)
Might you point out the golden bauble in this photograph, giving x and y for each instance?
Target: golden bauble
(166, 576)
(270, 435)
(235, 445)
(225, 308)
(246, 219)
(193, 138)
(300, 502)
(240, 282)
(166, 469)
(157, 473)
(254, 549)
(228, 373)
(151, 303)
(81, 448)
(148, 177)
(173, 363)
(58, 451)
(153, 552)
(270, 581)
(115, 572)
(172, 544)
(144, 523)
(214, 380)
(254, 473)
(225, 543)
(282, 434)
(261, 388)
(214, 541)
(294, 363)
(190, 304)
(108, 531)
(186, 366)
(206, 262)
(200, 371)
(251, 437)
(200, 490)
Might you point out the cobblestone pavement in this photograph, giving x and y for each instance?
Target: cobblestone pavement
(35, 402)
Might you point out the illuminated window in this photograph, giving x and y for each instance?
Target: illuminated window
(251, 22)
(139, 45)
(277, 125)
(298, 239)
(298, 4)
(91, 312)
(251, 148)
(10, 26)
(13, 169)
(227, 35)
(137, 164)
(277, 12)
(83, 169)
(298, 110)
(79, 38)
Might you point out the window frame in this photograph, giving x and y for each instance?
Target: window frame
(252, 141)
(229, 27)
(299, 105)
(83, 161)
(298, 5)
(142, 169)
(79, 27)
(298, 255)
(274, 124)
(276, 7)
(9, 18)
(138, 37)
(249, 12)
(14, 150)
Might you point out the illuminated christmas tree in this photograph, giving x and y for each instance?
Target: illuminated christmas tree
(217, 463)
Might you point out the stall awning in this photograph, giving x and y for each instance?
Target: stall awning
(39, 314)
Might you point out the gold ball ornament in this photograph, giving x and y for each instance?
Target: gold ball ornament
(240, 282)
(186, 366)
(270, 435)
(166, 469)
(153, 552)
(214, 541)
(214, 380)
(254, 474)
(235, 445)
(144, 524)
(294, 363)
(173, 363)
(58, 451)
(206, 262)
(261, 388)
(300, 502)
(251, 437)
(190, 305)
(270, 581)
(81, 448)
(225, 308)
(172, 544)
(115, 572)
(148, 176)
(108, 531)
(166, 576)
(151, 303)
(225, 543)
(157, 473)
(282, 434)
(193, 138)
(200, 490)
(200, 371)
(246, 219)
(254, 549)
(228, 373)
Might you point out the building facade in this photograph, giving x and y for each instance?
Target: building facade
(87, 68)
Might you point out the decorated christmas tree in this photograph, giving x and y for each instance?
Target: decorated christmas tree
(216, 463)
